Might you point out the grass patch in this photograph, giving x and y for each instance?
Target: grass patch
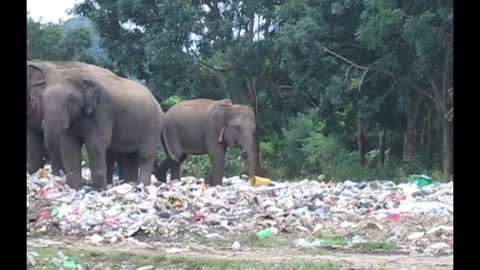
(217, 264)
(43, 261)
(248, 240)
(89, 259)
(253, 241)
(376, 244)
(335, 240)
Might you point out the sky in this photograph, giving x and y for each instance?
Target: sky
(49, 10)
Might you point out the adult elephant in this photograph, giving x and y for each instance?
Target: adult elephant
(205, 126)
(36, 150)
(37, 154)
(85, 105)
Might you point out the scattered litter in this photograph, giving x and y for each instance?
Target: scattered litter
(147, 267)
(69, 264)
(438, 248)
(415, 235)
(175, 250)
(264, 233)
(421, 180)
(260, 181)
(302, 243)
(236, 245)
(31, 258)
(415, 215)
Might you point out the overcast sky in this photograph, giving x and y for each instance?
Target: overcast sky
(49, 10)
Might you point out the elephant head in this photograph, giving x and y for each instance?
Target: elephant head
(66, 97)
(237, 128)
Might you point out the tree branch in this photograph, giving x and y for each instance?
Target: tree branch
(425, 93)
(343, 58)
(391, 88)
(354, 64)
(361, 80)
(225, 69)
(346, 74)
(265, 105)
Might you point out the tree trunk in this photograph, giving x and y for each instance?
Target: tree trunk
(361, 143)
(381, 148)
(447, 149)
(428, 143)
(409, 142)
(251, 22)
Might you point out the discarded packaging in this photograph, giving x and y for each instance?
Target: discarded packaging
(264, 233)
(69, 263)
(421, 180)
(260, 181)
(416, 218)
(236, 245)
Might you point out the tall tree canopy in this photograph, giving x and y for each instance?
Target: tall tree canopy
(364, 79)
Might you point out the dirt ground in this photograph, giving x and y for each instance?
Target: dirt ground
(263, 256)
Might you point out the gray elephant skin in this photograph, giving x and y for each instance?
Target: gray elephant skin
(37, 154)
(83, 103)
(36, 149)
(205, 126)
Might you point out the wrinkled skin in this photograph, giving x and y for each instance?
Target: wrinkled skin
(36, 149)
(204, 126)
(111, 115)
(37, 154)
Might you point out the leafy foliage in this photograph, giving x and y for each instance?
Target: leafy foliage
(313, 70)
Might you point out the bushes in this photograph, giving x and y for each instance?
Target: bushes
(304, 151)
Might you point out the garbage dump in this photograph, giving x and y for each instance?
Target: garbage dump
(416, 218)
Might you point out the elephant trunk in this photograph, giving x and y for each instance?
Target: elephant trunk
(253, 160)
(55, 124)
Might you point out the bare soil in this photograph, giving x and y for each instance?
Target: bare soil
(350, 261)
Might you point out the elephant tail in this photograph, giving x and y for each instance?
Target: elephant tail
(165, 145)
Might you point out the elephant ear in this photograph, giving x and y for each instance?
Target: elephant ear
(36, 82)
(91, 91)
(35, 75)
(220, 118)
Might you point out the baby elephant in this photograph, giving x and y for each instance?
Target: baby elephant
(205, 126)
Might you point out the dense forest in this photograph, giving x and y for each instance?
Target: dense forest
(352, 89)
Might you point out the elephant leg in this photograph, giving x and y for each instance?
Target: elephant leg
(146, 168)
(97, 154)
(130, 165)
(146, 157)
(71, 152)
(121, 167)
(161, 170)
(34, 151)
(217, 159)
(175, 168)
(57, 165)
(110, 164)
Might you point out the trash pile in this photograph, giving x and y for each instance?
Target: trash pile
(416, 217)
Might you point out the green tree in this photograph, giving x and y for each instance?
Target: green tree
(43, 40)
(371, 70)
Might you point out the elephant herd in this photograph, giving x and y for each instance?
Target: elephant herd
(71, 104)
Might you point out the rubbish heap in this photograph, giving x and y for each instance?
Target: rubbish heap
(414, 217)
